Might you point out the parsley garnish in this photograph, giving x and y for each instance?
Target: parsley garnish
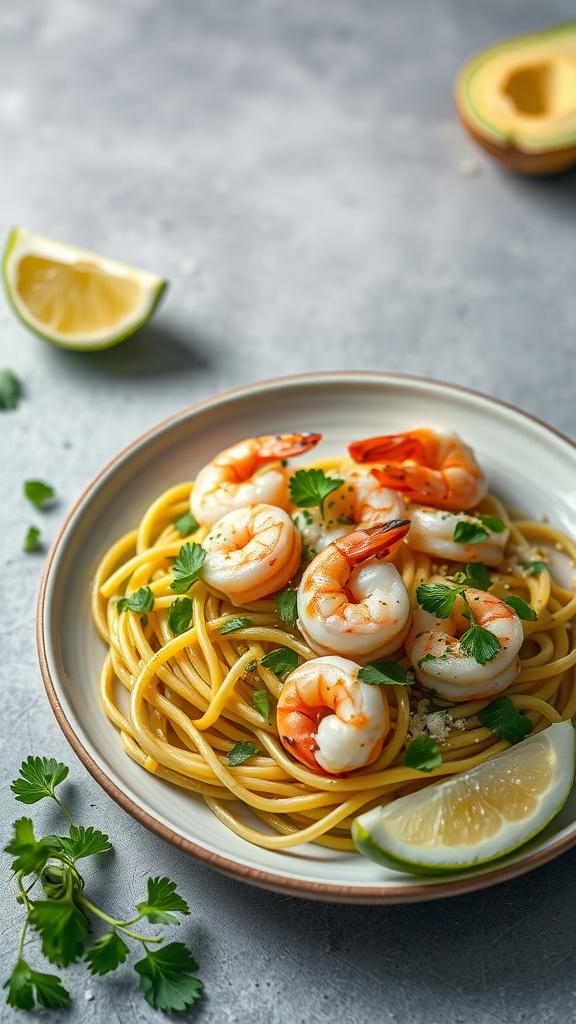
(140, 601)
(180, 615)
(38, 492)
(480, 644)
(523, 610)
(286, 605)
(10, 389)
(439, 600)
(466, 532)
(281, 660)
(187, 566)
(240, 752)
(31, 539)
(535, 568)
(423, 754)
(61, 914)
(385, 673)
(309, 488)
(505, 721)
(241, 622)
(186, 523)
(475, 575)
(262, 703)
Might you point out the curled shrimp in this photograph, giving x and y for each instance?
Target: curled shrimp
(361, 501)
(251, 553)
(238, 476)
(433, 467)
(329, 719)
(432, 531)
(350, 603)
(441, 663)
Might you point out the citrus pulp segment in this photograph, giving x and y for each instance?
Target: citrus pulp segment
(75, 298)
(477, 816)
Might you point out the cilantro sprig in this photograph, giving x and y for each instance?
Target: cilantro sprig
(187, 567)
(10, 389)
(505, 721)
(477, 529)
(309, 488)
(51, 890)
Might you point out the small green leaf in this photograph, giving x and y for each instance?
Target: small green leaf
(10, 389)
(469, 533)
(27, 986)
(187, 567)
(505, 721)
(480, 644)
(83, 842)
(309, 488)
(493, 523)
(107, 953)
(262, 703)
(385, 673)
(38, 492)
(240, 622)
(475, 575)
(166, 980)
(186, 524)
(63, 929)
(162, 899)
(31, 539)
(240, 752)
(535, 568)
(286, 605)
(140, 601)
(437, 598)
(39, 777)
(423, 754)
(523, 610)
(281, 660)
(180, 615)
(30, 853)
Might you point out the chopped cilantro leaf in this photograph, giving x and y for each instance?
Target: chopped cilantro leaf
(475, 575)
(38, 492)
(186, 523)
(535, 568)
(187, 567)
(240, 622)
(523, 611)
(107, 953)
(505, 721)
(27, 986)
(469, 533)
(166, 980)
(140, 601)
(437, 598)
(180, 615)
(262, 703)
(423, 754)
(10, 389)
(385, 673)
(480, 644)
(309, 488)
(281, 660)
(39, 777)
(161, 901)
(240, 752)
(285, 602)
(31, 539)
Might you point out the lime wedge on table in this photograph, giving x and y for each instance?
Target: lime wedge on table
(477, 816)
(75, 298)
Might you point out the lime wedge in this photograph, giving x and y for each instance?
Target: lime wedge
(477, 816)
(75, 298)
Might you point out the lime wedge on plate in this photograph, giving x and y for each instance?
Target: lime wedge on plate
(73, 297)
(477, 816)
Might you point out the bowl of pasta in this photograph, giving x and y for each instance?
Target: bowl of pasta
(223, 598)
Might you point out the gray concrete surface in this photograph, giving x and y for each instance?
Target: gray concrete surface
(297, 170)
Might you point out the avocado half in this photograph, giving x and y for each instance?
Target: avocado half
(517, 99)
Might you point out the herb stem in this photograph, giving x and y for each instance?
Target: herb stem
(120, 925)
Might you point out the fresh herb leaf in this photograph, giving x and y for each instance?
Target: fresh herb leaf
(505, 721)
(186, 524)
(437, 598)
(262, 703)
(107, 953)
(166, 980)
(26, 987)
(423, 754)
(523, 611)
(281, 660)
(535, 568)
(83, 842)
(187, 567)
(251, 667)
(38, 492)
(385, 673)
(240, 752)
(161, 901)
(140, 601)
(39, 777)
(493, 523)
(31, 540)
(475, 575)
(30, 853)
(309, 488)
(10, 389)
(180, 615)
(286, 605)
(469, 533)
(63, 929)
(240, 622)
(480, 644)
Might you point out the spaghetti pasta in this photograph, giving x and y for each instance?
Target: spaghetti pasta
(193, 697)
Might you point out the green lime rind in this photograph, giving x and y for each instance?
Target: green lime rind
(76, 345)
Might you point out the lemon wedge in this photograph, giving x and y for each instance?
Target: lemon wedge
(477, 816)
(75, 298)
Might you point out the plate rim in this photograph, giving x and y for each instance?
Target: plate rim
(261, 878)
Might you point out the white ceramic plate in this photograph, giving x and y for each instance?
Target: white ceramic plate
(529, 466)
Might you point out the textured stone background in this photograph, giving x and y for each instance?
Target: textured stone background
(297, 171)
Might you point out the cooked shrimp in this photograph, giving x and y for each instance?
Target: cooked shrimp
(432, 531)
(329, 719)
(237, 477)
(433, 467)
(251, 553)
(349, 602)
(441, 664)
(361, 501)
